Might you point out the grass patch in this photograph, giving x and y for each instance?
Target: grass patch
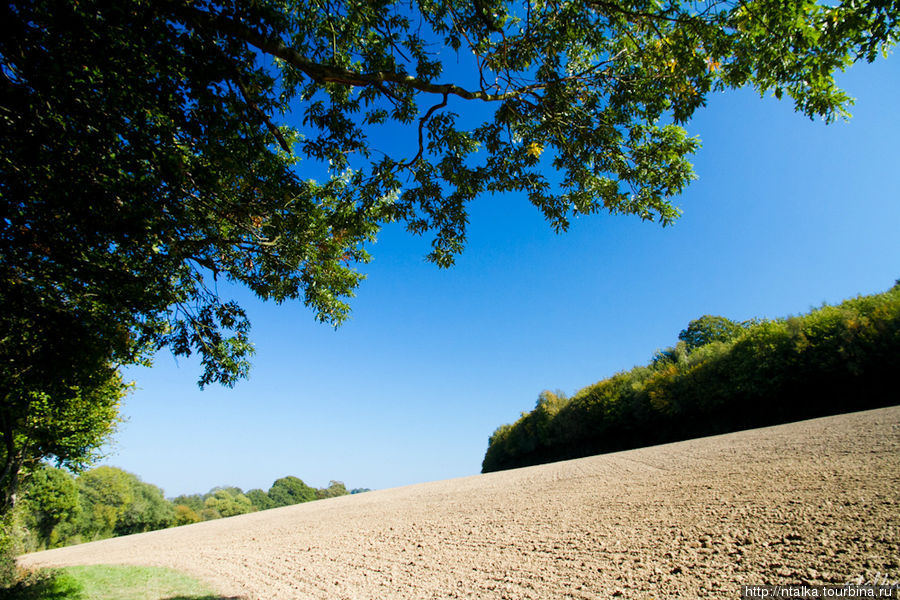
(43, 585)
(109, 582)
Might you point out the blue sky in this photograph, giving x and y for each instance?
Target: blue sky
(788, 213)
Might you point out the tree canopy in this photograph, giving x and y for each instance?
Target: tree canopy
(710, 328)
(290, 490)
(52, 498)
(150, 148)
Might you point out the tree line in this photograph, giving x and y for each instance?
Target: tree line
(721, 376)
(58, 509)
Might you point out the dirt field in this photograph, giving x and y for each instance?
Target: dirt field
(815, 502)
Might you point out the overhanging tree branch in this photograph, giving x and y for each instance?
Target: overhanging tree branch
(275, 46)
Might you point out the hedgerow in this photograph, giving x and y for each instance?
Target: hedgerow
(763, 372)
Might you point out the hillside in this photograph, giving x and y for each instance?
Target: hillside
(810, 501)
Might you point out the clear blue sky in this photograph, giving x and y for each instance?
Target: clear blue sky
(787, 214)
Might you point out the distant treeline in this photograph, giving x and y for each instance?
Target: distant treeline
(58, 509)
(722, 376)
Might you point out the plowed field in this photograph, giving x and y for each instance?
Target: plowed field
(815, 502)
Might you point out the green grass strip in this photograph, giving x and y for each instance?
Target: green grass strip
(110, 582)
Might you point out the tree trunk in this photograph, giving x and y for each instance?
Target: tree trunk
(9, 477)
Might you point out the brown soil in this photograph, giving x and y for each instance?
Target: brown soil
(813, 502)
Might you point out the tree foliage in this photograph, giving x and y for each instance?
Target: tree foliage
(185, 515)
(707, 329)
(334, 489)
(150, 148)
(115, 502)
(148, 511)
(46, 414)
(260, 499)
(105, 493)
(834, 359)
(226, 502)
(290, 490)
(192, 501)
(51, 499)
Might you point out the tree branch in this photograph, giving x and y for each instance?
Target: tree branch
(275, 46)
(422, 122)
(250, 103)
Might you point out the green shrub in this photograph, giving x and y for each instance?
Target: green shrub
(9, 549)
